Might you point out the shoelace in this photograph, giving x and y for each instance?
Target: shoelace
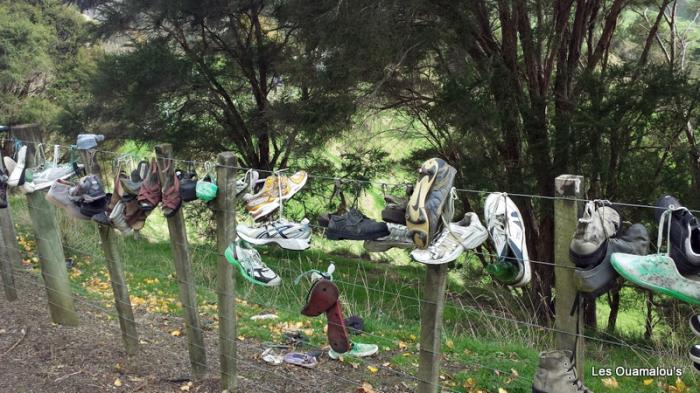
(317, 274)
(576, 382)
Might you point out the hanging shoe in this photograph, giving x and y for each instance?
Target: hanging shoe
(694, 323)
(354, 225)
(150, 193)
(286, 234)
(599, 279)
(685, 235)
(695, 353)
(557, 374)
(89, 141)
(118, 219)
(17, 175)
(465, 234)
(276, 189)
(250, 265)
(395, 209)
(89, 189)
(357, 350)
(425, 210)
(58, 196)
(507, 229)
(398, 237)
(171, 196)
(188, 185)
(246, 183)
(599, 223)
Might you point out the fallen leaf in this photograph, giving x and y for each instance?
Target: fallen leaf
(176, 333)
(402, 346)
(450, 344)
(680, 385)
(610, 383)
(372, 369)
(501, 390)
(118, 382)
(648, 381)
(514, 373)
(365, 388)
(186, 387)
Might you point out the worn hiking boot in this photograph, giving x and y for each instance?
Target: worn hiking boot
(353, 225)
(395, 208)
(599, 223)
(89, 189)
(507, 229)
(464, 235)
(596, 280)
(286, 234)
(398, 237)
(425, 211)
(685, 235)
(557, 374)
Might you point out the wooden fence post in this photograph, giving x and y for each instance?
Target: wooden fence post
(115, 267)
(433, 304)
(183, 270)
(51, 256)
(566, 214)
(226, 285)
(9, 258)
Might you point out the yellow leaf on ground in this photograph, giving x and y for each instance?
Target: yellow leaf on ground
(176, 333)
(372, 369)
(469, 383)
(402, 345)
(610, 383)
(450, 344)
(680, 385)
(648, 381)
(241, 338)
(501, 390)
(118, 382)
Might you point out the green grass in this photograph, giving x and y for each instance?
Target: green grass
(481, 349)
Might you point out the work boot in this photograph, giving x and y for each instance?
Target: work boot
(557, 374)
(323, 298)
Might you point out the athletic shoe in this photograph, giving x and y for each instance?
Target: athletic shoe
(17, 174)
(695, 353)
(398, 237)
(597, 280)
(358, 350)
(454, 239)
(89, 189)
(696, 366)
(247, 182)
(694, 322)
(251, 266)
(118, 218)
(657, 272)
(89, 141)
(507, 230)
(275, 189)
(353, 225)
(3, 191)
(685, 235)
(426, 210)
(44, 179)
(286, 234)
(59, 196)
(557, 374)
(599, 223)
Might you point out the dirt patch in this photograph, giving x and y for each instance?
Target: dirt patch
(39, 356)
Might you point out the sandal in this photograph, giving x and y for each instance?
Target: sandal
(171, 195)
(150, 193)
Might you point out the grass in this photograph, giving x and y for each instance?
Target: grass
(482, 350)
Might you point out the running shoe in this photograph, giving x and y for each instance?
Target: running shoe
(246, 183)
(507, 229)
(398, 237)
(275, 189)
(694, 322)
(685, 234)
(426, 209)
(466, 234)
(16, 169)
(45, 178)
(358, 350)
(250, 264)
(286, 234)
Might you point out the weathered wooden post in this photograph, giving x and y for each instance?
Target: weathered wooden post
(51, 256)
(9, 250)
(226, 285)
(566, 214)
(432, 306)
(115, 267)
(183, 270)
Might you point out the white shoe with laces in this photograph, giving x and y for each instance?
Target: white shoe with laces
(459, 236)
(287, 234)
(507, 229)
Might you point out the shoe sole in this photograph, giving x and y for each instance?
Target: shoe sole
(692, 328)
(337, 235)
(416, 216)
(447, 259)
(653, 287)
(264, 210)
(695, 359)
(228, 254)
(288, 244)
(380, 246)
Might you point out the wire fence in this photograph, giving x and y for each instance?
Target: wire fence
(646, 353)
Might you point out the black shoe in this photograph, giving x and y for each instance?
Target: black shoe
(91, 209)
(188, 185)
(694, 353)
(353, 225)
(695, 324)
(3, 191)
(102, 219)
(685, 235)
(395, 210)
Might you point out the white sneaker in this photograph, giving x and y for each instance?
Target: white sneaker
(286, 234)
(250, 265)
(17, 174)
(507, 229)
(44, 179)
(246, 183)
(453, 240)
(398, 237)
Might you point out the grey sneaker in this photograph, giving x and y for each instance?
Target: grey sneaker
(89, 141)
(597, 280)
(459, 236)
(286, 234)
(118, 219)
(250, 264)
(425, 211)
(398, 237)
(246, 183)
(58, 196)
(557, 374)
(599, 223)
(45, 178)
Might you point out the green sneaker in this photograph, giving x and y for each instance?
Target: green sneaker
(251, 266)
(657, 272)
(358, 350)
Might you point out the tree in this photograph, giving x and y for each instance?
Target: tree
(44, 60)
(220, 75)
